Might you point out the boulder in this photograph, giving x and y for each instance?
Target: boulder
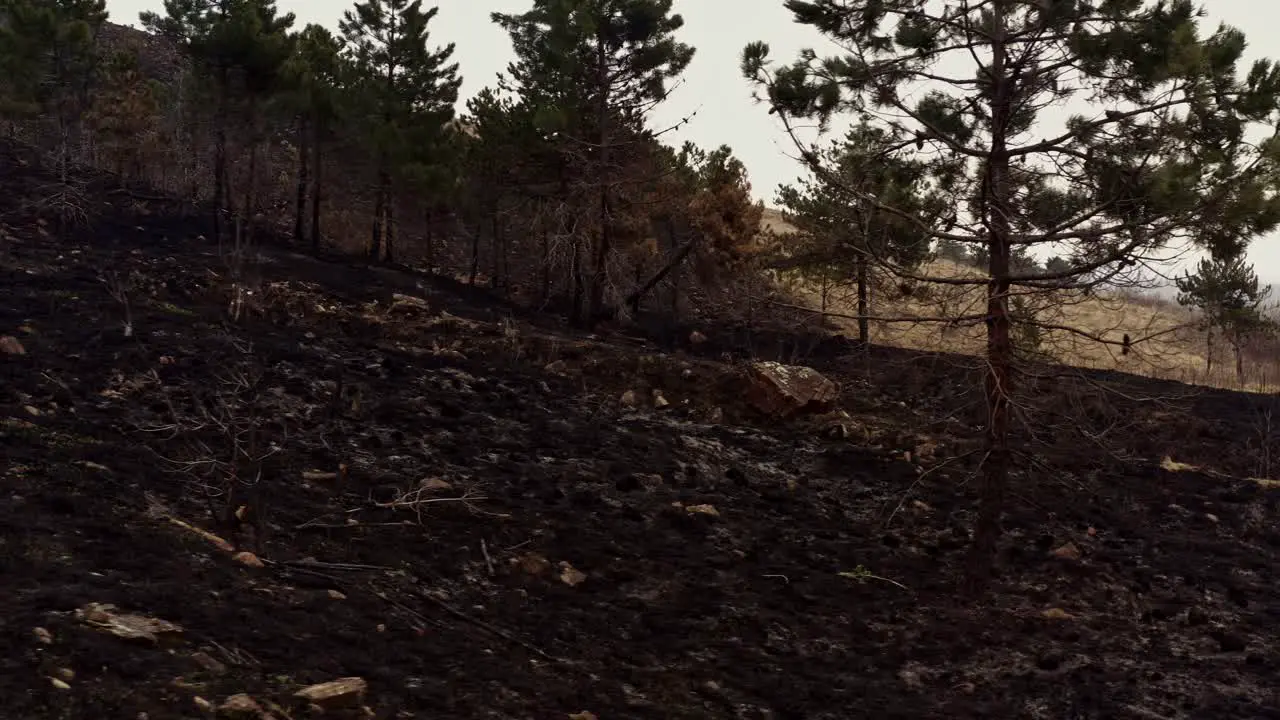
(782, 391)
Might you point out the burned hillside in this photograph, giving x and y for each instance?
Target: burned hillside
(479, 512)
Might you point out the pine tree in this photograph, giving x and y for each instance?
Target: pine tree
(842, 233)
(316, 74)
(240, 47)
(125, 114)
(593, 69)
(1225, 289)
(53, 45)
(411, 90)
(1168, 158)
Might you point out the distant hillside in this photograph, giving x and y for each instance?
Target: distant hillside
(1176, 353)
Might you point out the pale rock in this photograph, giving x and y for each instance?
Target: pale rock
(571, 576)
(248, 559)
(629, 399)
(43, 636)
(125, 625)
(9, 345)
(436, 483)
(343, 692)
(242, 707)
(1068, 551)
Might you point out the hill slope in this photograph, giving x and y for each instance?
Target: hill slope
(512, 542)
(1176, 348)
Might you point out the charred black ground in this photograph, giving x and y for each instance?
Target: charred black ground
(822, 587)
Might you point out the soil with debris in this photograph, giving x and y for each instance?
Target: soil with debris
(461, 512)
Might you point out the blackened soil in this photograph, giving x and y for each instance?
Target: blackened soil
(823, 586)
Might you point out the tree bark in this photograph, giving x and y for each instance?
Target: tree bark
(604, 240)
(220, 151)
(995, 468)
(317, 187)
(864, 309)
(304, 158)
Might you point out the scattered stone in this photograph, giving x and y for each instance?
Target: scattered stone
(716, 416)
(584, 715)
(1068, 551)
(319, 476)
(208, 663)
(343, 692)
(911, 679)
(65, 674)
(1211, 518)
(59, 684)
(405, 302)
(697, 338)
(248, 559)
(204, 705)
(557, 367)
(1056, 613)
(43, 636)
(32, 410)
(629, 399)
(786, 390)
(242, 706)
(703, 510)
(124, 625)
(9, 345)
(337, 595)
(571, 576)
(658, 400)
(436, 483)
(534, 564)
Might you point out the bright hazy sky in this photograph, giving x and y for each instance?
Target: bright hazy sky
(713, 86)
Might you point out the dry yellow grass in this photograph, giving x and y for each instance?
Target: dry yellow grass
(1171, 346)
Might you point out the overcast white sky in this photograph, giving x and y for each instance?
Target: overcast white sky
(713, 86)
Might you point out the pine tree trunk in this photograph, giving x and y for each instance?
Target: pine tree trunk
(579, 282)
(1238, 348)
(475, 252)
(220, 152)
(604, 240)
(375, 231)
(317, 188)
(251, 193)
(995, 468)
(864, 306)
(389, 227)
(304, 159)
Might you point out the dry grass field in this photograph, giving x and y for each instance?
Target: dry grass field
(1173, 347)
